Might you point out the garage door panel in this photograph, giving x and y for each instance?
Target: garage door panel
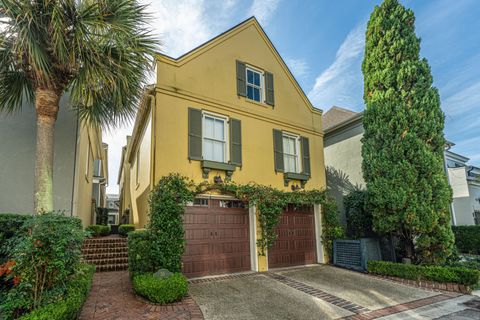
(217, 240)
(295, 244)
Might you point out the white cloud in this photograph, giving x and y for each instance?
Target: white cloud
(299, 68)
(463, 101)
(335, 85)
(263, 10)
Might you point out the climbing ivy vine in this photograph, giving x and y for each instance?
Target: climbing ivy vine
(270, 203)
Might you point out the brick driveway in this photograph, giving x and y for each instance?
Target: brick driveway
(112, 297)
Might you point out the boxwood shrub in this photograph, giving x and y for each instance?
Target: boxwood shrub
(68, 307)
(124, 229)
(98, 230)
(140, 248)
(467, 238)
(160, 290)
(467, 277)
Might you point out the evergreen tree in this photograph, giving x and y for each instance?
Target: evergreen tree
(403, 143)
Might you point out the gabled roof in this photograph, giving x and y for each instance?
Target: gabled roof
(252, 21)
(335, 116)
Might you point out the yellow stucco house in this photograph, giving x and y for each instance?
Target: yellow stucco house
(229, 110)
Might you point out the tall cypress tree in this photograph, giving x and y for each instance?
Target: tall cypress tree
(403, 143)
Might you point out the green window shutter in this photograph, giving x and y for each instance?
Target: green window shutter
(236, 142)
(241, 79)
(278, 150)
(305, 155)
(194, 134)
(269, 94)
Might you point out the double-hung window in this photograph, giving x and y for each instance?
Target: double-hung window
(214, 138)
(291, 151)
(254, 85)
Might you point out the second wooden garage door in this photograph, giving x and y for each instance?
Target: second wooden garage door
(217, 236)
(295, 244)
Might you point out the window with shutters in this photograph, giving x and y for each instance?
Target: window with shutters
(291, 153)
(215, 138)
(255, 84)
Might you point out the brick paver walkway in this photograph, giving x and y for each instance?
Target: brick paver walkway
(112, 297)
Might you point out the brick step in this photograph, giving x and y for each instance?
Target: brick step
(105, 240)
(99, 262)
(112, 267)
(104, 245)
(105, 255)
(94, 250)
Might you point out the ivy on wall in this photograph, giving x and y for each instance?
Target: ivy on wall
(170, 195)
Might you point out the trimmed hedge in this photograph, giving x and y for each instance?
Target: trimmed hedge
(98, 230)
(467, 277)
(160, 290)
(124, 229)
(140, 258)
(69, 307)
(467, 238)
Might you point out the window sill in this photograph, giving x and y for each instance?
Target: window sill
(289, 176)
(208, 165)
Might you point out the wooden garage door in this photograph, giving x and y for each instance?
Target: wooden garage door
(217, 238)
(295, 244)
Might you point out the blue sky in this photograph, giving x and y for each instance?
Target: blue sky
(322, 42)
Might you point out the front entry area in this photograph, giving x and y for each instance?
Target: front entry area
(217, 238)
(295, 244)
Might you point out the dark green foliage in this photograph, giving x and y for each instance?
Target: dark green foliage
(359, 217)
(10, 225)
(167, 206)
(160, 290)
(140, 258)
(101, 216)
(45, 257)
(403, 143)
(467, 239)
(459, 275)
(96, 230)
(331, 227)
(124, 229)
(71, 303)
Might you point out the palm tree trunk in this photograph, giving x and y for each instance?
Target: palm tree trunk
(46, 105)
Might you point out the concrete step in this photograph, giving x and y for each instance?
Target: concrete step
(95, 250)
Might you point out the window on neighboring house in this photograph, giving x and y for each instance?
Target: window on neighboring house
(214, 138)
(87, 165)
(254, 84)
(137, 164)
(476, 216)
(291, 151)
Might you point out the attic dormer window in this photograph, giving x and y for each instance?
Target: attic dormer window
(255, 84)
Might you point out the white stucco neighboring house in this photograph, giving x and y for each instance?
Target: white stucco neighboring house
(343, 131)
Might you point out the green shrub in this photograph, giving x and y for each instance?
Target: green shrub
(359, 218)
(140, 258)
(124, 229)
(467, 277)
(160, 290)
(98, 230)
(45, 258)
(69, 306)
(467, 238)
(10, 225)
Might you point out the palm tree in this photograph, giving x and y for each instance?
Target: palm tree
(99, 51)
